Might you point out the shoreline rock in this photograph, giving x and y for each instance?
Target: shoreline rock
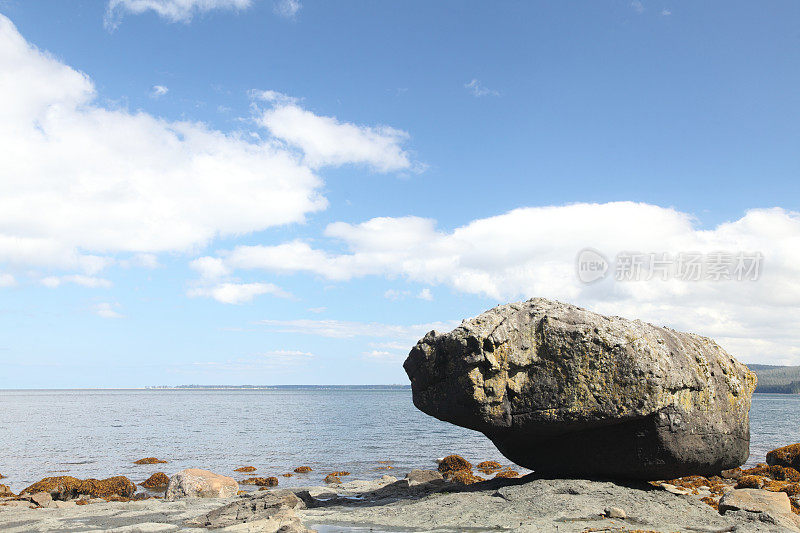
(261, 481)
(159, 480)
(197, 483)
(149, 461)
(523, 505)
(69, 488)
(543, 380)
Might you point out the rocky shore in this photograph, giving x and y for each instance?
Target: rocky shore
(456, 497)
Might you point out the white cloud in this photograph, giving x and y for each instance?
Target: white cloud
(145, 261)
(382, 355)
(287, 8)
(477, 89)
(158, 91)
(286, 353)
(84, 183)
(666, 12)
(272, 360)
(393, 294)
(341, 329)
(327, 141)
(637, 6)
(172, 10)
(91, 282)
(425, 294)
(210, 267)
(532, 251)
(107, 310)
(7, 280)
(237, 293)
(317, 310)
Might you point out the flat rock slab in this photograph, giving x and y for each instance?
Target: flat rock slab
(146, 516)
(767, 506)
(521, 505)
(528, 505)
(263, 506)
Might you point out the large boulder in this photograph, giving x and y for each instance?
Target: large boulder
(568, 392)
(197, 483)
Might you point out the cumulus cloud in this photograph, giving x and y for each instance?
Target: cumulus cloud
(107, 310)
(477, 89)
(327, 141)
(210, 268)
(172, 10)
(86, 186)
(7, 280)
(237, 293)
(532, 252)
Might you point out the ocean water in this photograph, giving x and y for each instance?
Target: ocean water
(99, 433)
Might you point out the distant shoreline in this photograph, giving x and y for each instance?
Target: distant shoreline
(226, 387)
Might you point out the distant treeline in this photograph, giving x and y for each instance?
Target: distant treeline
(282, 387)
(777, 379)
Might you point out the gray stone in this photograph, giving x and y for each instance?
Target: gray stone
(755, 500)
(256, 508)
(760, 505)
(615, 512)
(565, 391)
(42, 499)
(283, 521)
(423, 476)
(197, 483)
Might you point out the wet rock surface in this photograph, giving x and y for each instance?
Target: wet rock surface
(149, 461)
(568, 392)
(786, 456)
(158, 480)
(68, 487)
(261, 481)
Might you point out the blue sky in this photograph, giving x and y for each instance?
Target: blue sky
(294, 191)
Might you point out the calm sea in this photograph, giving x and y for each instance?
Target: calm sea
(100, 433)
